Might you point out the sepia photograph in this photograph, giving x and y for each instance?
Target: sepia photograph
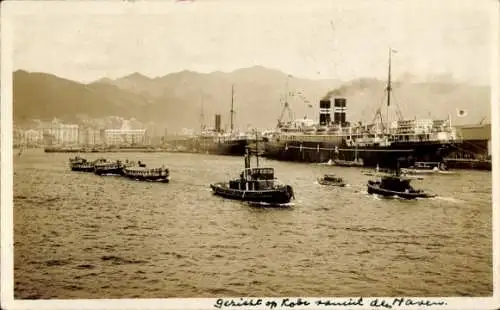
(226, 150)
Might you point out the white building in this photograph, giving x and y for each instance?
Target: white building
(30, 137)
(59, 133)
(91, 136)
(124, 136)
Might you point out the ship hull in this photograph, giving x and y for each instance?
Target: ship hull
(374, 188)
(231, 148)
(371, 156)
(280, 195)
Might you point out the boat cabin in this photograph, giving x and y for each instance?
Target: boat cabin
(254, 179)
(426, 165)
(332, 178)
(396, 184)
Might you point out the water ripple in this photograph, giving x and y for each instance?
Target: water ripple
(78, 235)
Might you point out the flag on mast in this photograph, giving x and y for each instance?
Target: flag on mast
(462, 113)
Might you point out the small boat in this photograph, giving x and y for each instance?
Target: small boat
(396, 185)
(349, 163)
(427, 168)
(381, 172)
(147, 174)
(330, 179)
(256, 185)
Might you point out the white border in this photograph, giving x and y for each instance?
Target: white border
(29, 7)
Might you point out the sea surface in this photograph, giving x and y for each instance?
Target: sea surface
(79, 235)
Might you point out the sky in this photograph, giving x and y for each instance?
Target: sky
(309, 39)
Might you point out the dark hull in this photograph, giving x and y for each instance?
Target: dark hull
(233, 148)
(82, 169)
(103, 171)
(209, 146)
(372, 156)
(452, 163)
(374, 188)
(149, 178)
(160, 179)
(277, 196)
(323, 182)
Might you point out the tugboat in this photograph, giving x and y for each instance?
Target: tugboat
(330, 179)
(396, 185)
(258, 186)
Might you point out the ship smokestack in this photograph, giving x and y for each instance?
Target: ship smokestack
(324, 112)
(217, 122)
(339, 111)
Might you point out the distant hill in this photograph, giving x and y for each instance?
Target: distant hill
(175, 101)
(45, 96)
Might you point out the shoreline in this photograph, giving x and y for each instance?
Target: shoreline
(452, 163)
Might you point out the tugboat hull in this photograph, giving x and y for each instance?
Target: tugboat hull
(324, 182)
(374, 188)
(280, 195)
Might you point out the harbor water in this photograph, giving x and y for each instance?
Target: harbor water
(79, 235)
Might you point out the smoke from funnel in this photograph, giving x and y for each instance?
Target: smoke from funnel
(352, 87)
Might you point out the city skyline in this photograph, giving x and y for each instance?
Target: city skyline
(319, 40)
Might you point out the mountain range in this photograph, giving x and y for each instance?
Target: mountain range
(189, 99)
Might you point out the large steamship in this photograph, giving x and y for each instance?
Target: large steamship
(379, 143)
(217, 142)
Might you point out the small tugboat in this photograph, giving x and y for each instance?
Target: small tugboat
(396, 185)
(330, 179)
(141, 173)
(256, 185)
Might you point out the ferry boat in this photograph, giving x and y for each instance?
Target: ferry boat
(256, 185)
(81, 164)
(109, 168)
(147, 174)
(358, 144)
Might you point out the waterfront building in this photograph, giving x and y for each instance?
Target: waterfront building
(60, 133)
(124, 137)
(476, 141)
(91, 136)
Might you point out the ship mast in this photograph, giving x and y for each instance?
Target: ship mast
(286, 106)
(232, 106)
(257, 148)
(389, 87)
(202, 115)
